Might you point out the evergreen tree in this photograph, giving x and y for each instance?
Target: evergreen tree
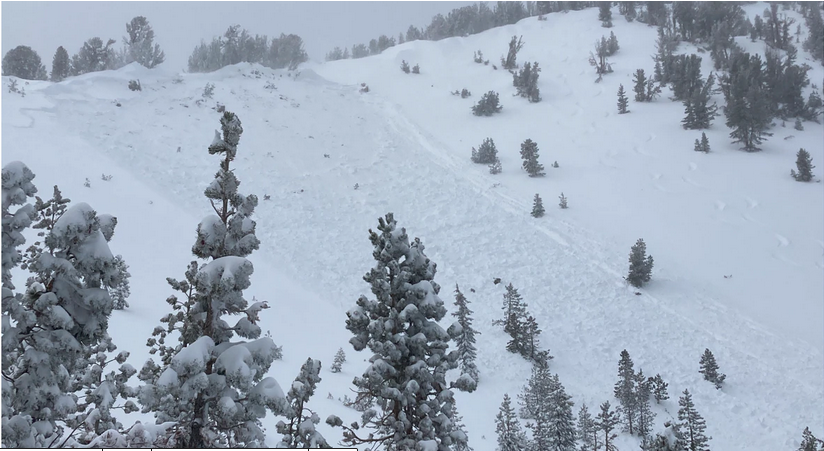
(605, 14)
(815, 38)
(93, 56)
(465, 339)
(460, 429)
(612, 44)
(692, 425)
(563, 201)
(514, 310)
(121, 291)
(645, 415)
(747, 109)
(709, 368)
(510, 435)
(61, 66)
(809, 442)
(227, 413)
(703, 145)
(410, 361)
(495, 168)
(140, 43)
(625, 391)
(640, 87)
(804, 163)
(340, 359)
(487, 105)
(416, 69)
(697, 110)
(405, 66)
(640, 265)
(598, 60)
(622, 100)
(515, 45)
(605, 422)
(587, 432)
(537, 207)
(300, 430)
(529, 153)
(561, 424)
(628, 10)
(23, 62)
(56, 390)
(526, 82)
(486, 153)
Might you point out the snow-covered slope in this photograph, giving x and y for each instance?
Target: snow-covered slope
(406, 144)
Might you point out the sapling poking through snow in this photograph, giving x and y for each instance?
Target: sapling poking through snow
(537, 207)
(804, 163)
(563, 201)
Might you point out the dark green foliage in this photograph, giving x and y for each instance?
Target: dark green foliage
(814, 106)
(686, 76)
(23, 62)
(628, 10)
(94, 57)
(644, 414)
(747, 109)
(612, 44)
(605, 422)
(815, 39)
(550, 409)
(804, 164)
(709, 368)
(340, 359)
(405, 66)
(515, 45)
(236, 46)
(659, 388)
(61, 67)
(605, 14)
(640, 265)
(486, 153)
(625, 392)
(526, 82)
(465, 339)
(798, 125)
(692, 425)
(665, 58)
(698, 113)
(784, 82)
(703, 145)
(529, 153)
(586, 431)
(510, 435)
(655, 15)
(537, 207)
(777, 28)
(359, 51)
(487, 105)
(622, 100)
(646, 90)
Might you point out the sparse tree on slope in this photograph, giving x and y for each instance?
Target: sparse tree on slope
(410, 361)
(605, 14)
(622, 100)
(510, 435)
(692, 425)
(529, 153)
(645, 416)
(515, 45)
(625, 390)
(61, 67)
(537, 207)
(487, 105)
(340, 358)
(405, 67)
(465, 339)
(227, 411)
(486, 153)
(23, 62)
(605, 422)
(709, 368)
(804, 163)
(747, 110)
(640, 265)
(809, 442)
(659, 388)
(140, 43)
(587, 432)
(300, 430)
(561, 424)
(514, 310)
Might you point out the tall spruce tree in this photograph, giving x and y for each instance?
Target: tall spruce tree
(587, 432)
(640, 86)
(709, 368)
(804, 164)
(465, 339)
(61, 67)
(486, 153)
(640, 264)
(692, 425)
(747, 110)
(514, 310)
(508, 428)
(605, 422)
(659, 388)
(626, 392)
(645, 415)
(537, 207)
(228, 411)
(300, 431)
(698, 113)
(410, 357)
(605, 14)
(529, 153)
(561, 424)
(340, 359)
(622, 100)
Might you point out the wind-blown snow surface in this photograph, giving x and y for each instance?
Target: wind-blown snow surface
(406, 144)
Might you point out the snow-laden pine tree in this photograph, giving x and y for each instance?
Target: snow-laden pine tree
(698, 113)
(561, 422)
(529, 153)
(659, 388)
(640, 264)
(460, 429)
(299, 428)
(747, 109)
(622, 100)
(486, 153)
(340, 358)
(465, 340)
(515, 45)
(407, 374)
(562, 202)
(605, 14)
(60, 65)
(514, 310)
(809, 442)
(709, 368)
(537, 207)
(625, 391)
(587, 433)
(495, 167)
(55, 341)
(691, 428)
(488, 105)
(804, 164)
(140, 43)
(510, 435)
(526, 82)
(644, 414)
(605, 422)
(214, 389)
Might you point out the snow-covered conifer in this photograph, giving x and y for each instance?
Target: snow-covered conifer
(659, 388)
(586, 430)
(529, 153)
(495, 167)
(605, 14)
(405, 66)
(514, 310)
(460, 430)
(340, 358)
(122, 291)
(299, 430)
(625, 391)
(804, 163)
(605, 422)
(486, 153)
(416, 69)
(645, 416)
(640, 264)
(537, 207)
(510, 435)
(515, 45)
(140, 43)
(809, 442)
(410, 358)
(465, 338)
(709, 368)
(692, 425)
(562, 201)
(214, 389)
(487, 105)
(622, 100)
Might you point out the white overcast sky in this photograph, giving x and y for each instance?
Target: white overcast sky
(179, 26)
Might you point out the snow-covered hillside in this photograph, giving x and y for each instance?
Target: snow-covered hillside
(311, 137)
